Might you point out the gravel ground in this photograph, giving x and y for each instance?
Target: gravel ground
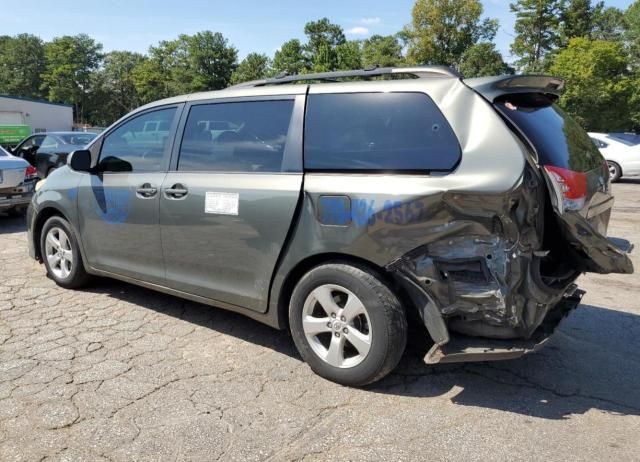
(117, 372)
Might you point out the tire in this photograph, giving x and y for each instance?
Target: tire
(366, 313)
(615, 172)
(61, 254)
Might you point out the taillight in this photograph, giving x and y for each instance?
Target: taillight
(31, 173)
(570, 186)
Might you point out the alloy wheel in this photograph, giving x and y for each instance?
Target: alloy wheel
(59, 252)
(337, 325)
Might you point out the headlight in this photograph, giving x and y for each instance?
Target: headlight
(40, 184)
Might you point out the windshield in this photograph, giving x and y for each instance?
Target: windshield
(3, 153)
(79, 139)
(559, 140)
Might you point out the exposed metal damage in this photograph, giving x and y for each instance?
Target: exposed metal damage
(493, 276)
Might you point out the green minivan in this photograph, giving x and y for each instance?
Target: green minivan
(343, 206)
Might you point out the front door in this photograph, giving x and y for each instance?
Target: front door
(228, 203)
(119, 205)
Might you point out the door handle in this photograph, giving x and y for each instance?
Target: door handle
(177, 191)
(146, 191)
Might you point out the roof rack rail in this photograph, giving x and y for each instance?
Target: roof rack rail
(417, 71)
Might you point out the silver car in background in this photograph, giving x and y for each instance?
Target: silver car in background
(17, 183)
(343, 208)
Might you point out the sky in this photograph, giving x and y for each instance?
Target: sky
(250, 25)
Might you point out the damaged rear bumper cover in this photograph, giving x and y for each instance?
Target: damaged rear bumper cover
(483, 309)
(461, 348)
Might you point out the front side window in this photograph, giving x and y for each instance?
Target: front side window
(134, 147)
(236, 137)
(378, 132)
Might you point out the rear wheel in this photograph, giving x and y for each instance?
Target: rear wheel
(347, 324)
(61, 255)
(615, 172)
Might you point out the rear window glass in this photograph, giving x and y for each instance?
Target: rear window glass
(559, 140)
(379, 132)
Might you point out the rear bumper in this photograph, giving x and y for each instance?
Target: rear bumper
(462, 348)
(13, 198)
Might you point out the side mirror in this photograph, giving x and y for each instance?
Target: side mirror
(80, 160)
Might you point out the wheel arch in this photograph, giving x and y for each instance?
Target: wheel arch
(305, 265)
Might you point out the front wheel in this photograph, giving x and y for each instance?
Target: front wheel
(61, 254)
(347, 324)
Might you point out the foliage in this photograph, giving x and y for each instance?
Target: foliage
(537, 32)
(71, 62)
(349, 55)
(255, 66)
(22, 61)
(290, 58)
(382, 51)
(632, 33)
(594, 47)
(482, 59)
(442, 30)
(607, 23)
(597, 88)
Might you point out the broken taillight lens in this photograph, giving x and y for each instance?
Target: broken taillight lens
(570, 185)
(31, 173)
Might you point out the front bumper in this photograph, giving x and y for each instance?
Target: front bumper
(462, 348)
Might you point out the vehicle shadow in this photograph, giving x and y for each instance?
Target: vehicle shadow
(590, 363)
(629, 180)
(11, 225)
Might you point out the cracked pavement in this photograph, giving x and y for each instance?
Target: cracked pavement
(116, 372)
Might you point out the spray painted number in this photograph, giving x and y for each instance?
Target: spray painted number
(363, 212)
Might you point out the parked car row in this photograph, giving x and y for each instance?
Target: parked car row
(49, 151)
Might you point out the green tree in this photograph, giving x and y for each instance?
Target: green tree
(152, 80)
(71, 64)
(442, 30)
(632, 33)
(349, 55)
(322, 32)
(324, 59)
(537, 24)
(576, 19)
(255, 66)
(598, 90)
(607, 23)
(190, 63)
(22, 62)
(290, 58)
(382, 51)
(482, 59)
(114, 91)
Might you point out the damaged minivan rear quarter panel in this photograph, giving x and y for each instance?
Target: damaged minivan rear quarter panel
(462, 244)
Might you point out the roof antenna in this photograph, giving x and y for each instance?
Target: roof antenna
(372, 67)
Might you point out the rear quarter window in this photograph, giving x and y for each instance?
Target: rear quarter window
(378, 132)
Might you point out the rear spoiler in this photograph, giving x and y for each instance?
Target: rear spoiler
(493, 87)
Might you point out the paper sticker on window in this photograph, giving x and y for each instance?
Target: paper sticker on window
(221, 203)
